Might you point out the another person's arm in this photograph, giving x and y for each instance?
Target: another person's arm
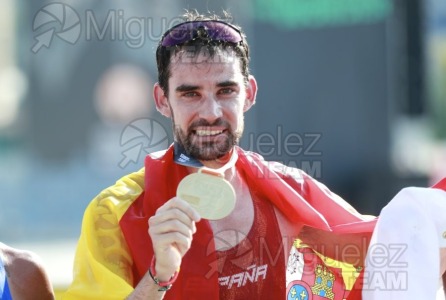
(443, 268)
(444, 284)
(26, 275)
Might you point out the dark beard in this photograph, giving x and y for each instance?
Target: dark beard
(208, 150)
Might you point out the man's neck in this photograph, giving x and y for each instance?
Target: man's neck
(229, 174)
(218, 166)
(212, 164)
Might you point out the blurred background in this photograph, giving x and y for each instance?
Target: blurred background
(353, 94)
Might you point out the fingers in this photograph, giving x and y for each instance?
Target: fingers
(179, 242)
(177, 209)
(180, 204)
(171, 233)
(171, 230)
(173, 225)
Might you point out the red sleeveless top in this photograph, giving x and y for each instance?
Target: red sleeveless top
(256, 265)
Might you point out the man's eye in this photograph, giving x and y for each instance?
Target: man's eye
(226, 91)
(190, 94)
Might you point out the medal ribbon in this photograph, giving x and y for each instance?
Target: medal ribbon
(182, 158)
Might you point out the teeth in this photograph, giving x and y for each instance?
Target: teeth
(208, 132)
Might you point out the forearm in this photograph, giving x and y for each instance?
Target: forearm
(146, 289)
(155, 283)
(170, 230)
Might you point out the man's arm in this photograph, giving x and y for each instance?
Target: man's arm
(147, 290)
(170, 230)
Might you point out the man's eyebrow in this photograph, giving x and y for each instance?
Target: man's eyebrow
(227, 83)
(186, 88)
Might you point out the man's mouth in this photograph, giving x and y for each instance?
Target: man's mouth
(207, 132)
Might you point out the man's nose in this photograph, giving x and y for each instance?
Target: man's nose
(211, 110)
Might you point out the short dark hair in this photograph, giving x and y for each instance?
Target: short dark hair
(164, 54)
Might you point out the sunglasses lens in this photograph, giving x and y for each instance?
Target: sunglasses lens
(212, 30)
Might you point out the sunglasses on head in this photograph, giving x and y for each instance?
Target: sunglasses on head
(213, 30)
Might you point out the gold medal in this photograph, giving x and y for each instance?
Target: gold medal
(211, 195)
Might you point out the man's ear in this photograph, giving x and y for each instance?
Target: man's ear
(161, 101)
(251, 93)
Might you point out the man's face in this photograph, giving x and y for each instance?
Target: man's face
(207, 99)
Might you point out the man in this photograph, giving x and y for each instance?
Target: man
(22, 276)
(144, 239)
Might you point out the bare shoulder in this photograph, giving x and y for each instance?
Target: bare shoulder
(25, 274)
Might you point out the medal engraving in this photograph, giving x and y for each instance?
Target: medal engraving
(212, 196)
